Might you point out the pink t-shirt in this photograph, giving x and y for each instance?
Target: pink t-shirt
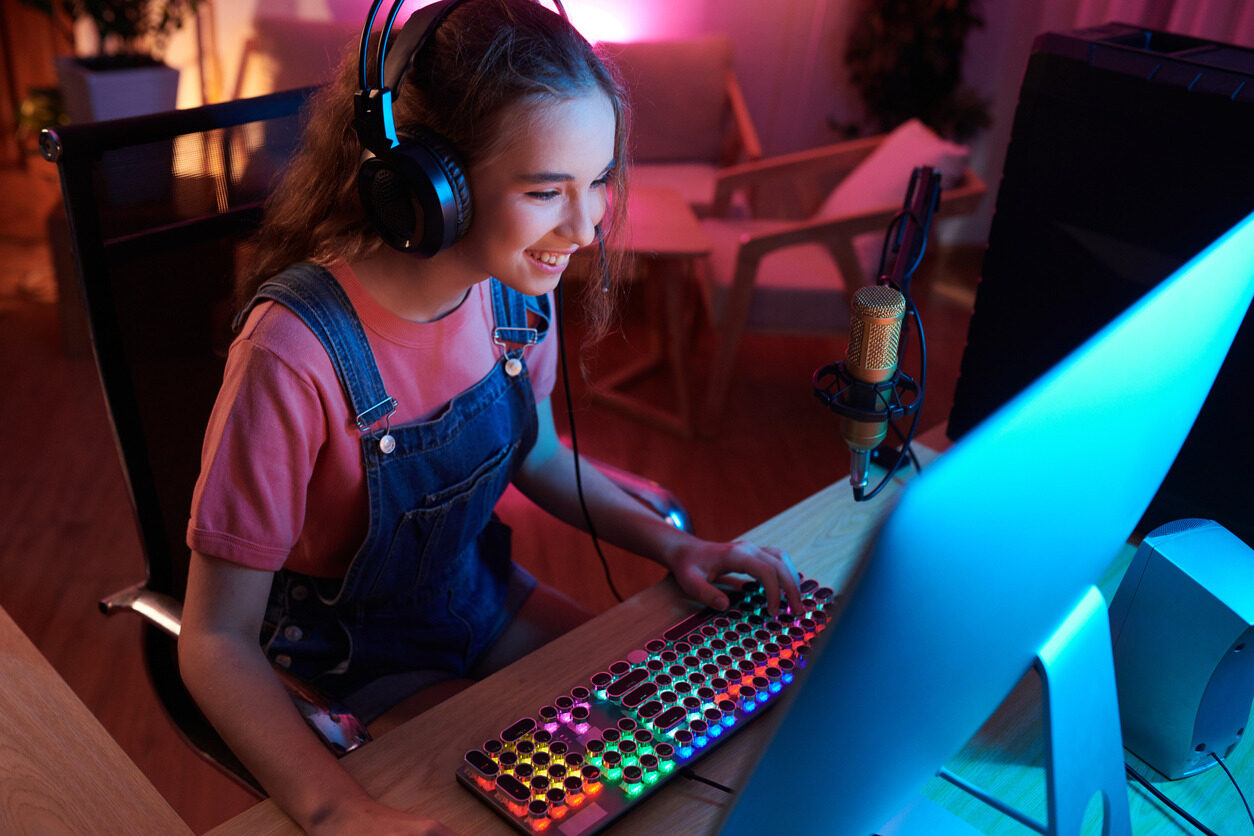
(282, 481)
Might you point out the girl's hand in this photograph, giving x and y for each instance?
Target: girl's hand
(699, 563)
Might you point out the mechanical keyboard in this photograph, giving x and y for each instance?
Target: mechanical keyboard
(604, 746)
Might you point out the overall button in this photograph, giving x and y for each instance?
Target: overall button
(513, 367)
(283, 660)
(300, 593)
(387, 444)
(293, 633)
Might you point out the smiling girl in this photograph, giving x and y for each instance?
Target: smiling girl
(376, 403)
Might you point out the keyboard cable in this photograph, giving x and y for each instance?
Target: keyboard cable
(692, 776)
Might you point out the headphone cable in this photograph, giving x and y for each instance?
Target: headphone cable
(574, 443)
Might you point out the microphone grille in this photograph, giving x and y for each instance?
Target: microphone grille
(879, 301)
(874, 329)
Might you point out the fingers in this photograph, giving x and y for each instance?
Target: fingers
(771, 567)
(697, 585)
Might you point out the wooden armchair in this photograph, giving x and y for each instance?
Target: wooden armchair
(688, 116)
(795, 275)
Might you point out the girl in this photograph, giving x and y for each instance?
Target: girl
(376, 404)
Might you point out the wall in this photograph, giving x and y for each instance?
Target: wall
(788, 54)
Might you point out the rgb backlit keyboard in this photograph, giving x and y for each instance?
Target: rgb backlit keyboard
(602, 747)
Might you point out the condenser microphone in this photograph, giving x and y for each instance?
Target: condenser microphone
(874, 332)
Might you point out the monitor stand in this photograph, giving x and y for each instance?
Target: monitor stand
(1083, 740)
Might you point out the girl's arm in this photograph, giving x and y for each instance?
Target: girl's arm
(547, 477)
(230, 677)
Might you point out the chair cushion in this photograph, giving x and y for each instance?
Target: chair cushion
(677, 92)
(883, 177)
(797, 290)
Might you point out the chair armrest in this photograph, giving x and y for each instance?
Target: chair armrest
(750, 145)
(655, 496)
(831, 232)
(837, 232)
(165, 611)
(837, 159)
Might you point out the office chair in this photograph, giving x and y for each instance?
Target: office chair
(159, 209)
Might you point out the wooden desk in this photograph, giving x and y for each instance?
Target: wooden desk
(60, 771)
(413, 767)
(665, 237)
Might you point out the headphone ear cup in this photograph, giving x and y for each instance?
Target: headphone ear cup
(456, 183)
(426, 174)
(386, 199)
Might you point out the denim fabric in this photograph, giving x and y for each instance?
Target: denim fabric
(427, 590)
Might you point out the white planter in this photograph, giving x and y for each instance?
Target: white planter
(92, 95)
(137, 175)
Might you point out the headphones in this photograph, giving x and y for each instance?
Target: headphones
(420, 167)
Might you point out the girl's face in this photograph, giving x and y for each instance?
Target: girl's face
(541, 195)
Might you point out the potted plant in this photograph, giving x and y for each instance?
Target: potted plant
(122, 73)
(905, 60)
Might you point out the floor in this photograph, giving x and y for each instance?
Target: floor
(67, 536)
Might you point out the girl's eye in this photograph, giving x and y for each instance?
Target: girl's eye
(545, 195)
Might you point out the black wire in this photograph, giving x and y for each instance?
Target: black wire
(574, 445)
(692, 776)
(1231, 778)
(1157, 793)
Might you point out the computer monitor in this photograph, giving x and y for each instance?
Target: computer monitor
(989, 550)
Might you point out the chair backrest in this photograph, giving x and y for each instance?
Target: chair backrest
(677, 92)
(160, 209)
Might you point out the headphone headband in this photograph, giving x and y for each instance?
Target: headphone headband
(375, 103)
(414, 191)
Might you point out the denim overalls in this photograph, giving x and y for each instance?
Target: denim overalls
(427, 590)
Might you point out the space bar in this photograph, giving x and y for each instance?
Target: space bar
(689, 624)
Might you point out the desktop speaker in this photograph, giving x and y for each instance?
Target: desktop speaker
(1182, 624)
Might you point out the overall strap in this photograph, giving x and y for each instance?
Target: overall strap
(313, 294)
(509, 311)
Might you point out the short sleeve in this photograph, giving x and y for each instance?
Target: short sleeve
(263, 438)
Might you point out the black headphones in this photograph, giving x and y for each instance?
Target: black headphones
(419, 167)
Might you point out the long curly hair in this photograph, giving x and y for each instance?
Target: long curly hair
(485, 56)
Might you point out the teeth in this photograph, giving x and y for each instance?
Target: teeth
(551, 259)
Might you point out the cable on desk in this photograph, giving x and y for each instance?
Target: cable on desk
(1233, 779)
(692, 776)
(1157, 793)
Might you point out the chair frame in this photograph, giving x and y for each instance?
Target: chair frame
(837, 233)
(746, 145)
